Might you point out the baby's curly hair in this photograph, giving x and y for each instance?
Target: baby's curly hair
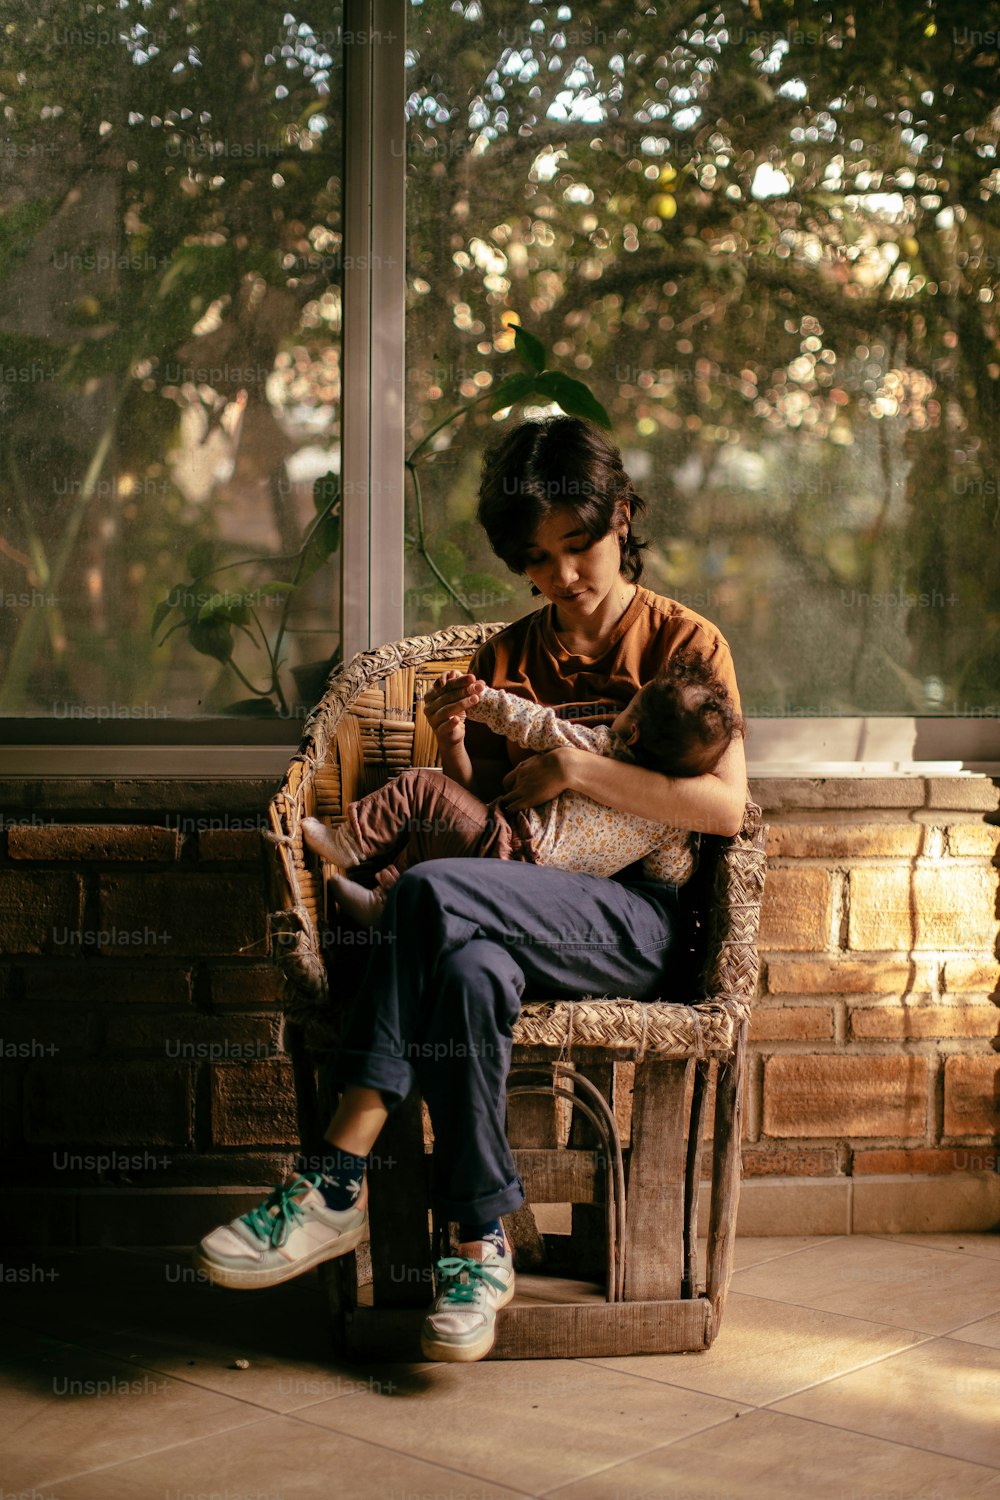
(686, 718)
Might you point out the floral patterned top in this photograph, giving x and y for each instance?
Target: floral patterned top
(573, 831)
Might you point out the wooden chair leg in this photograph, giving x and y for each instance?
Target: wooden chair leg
(726, 1164)
(692, 1178)
(654, 1221)
(589, 1235)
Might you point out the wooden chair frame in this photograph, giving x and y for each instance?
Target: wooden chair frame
(368, 726)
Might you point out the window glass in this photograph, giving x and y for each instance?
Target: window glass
(170, 232)
(767, 242)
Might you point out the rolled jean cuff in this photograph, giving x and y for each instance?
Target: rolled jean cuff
(481, 1210)
(373, 1070)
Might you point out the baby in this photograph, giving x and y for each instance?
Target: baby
(680, 724)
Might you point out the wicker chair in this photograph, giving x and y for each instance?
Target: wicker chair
(567, 1053)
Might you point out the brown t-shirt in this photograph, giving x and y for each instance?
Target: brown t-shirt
(528, 659)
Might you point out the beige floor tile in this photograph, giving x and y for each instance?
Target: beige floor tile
(766, 1456)
(986, 1331)
(751, 1250)
(24, 1346)
(838, 1332)
(986, 1245)
(134, 1306)
(943, 1396)
(766, 1350)
(274, 1382)
(280, 1459)
(99, 1292)
(538, 1423)
(908, 1286)
(67, 1410)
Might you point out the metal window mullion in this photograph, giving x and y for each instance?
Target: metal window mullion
(388, 321)
(356, 337)
(374, 287)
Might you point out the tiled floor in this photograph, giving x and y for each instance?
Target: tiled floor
(854, 1368)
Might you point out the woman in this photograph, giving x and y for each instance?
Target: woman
(439, 999)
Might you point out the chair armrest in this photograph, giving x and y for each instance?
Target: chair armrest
(731, 962)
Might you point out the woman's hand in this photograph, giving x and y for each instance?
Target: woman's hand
(445, 703)
(539, 778)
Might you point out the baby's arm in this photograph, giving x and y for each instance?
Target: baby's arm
(533, 726)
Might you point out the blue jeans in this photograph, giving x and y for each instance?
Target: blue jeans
(458, 944)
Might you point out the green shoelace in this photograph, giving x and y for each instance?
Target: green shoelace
(275, 1227)
(453, 1288)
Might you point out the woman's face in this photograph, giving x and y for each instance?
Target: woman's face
(573, 572)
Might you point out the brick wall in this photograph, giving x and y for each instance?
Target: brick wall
(141, 1071)
(871, 1057)
(141, 1080)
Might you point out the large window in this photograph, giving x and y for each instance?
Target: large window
(170, 254)
(769, 243)
(762, 238)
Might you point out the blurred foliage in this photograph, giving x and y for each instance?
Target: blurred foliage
(170, 252)
(762, 236)
(768, 235)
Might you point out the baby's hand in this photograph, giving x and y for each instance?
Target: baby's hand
(445, 703)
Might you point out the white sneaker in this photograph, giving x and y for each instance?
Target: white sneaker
(291, 1231)
(472, 1285)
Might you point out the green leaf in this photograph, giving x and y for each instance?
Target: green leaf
(575, 398)
(530, 351)
(210, 608)
(177, 625)
(484, 591)
(231, 607)
(212, 638)
(450, 559)
(160, 613)
(490, 581)
(325, 490)
(324, 541)
(513, 388)
(186, 599)
(268, 590)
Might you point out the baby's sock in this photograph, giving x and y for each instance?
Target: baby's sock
(365, 906)
(337, 846)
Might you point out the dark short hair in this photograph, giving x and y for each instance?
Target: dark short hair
(556, 464)
(686, 718)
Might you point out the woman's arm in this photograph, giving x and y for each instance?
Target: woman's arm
(703, 804)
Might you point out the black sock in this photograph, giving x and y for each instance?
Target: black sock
(492, 1229)
(342, 1175)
